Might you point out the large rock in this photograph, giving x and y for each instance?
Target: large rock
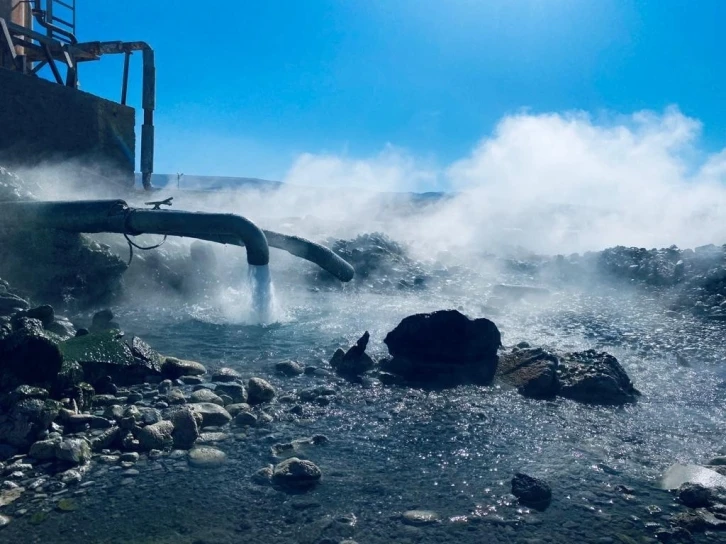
(107, 354)
(29, 417)
(212, 414)
(594, 377)
(355, 361)
(443, 347)
(206, 457)
(533, 371)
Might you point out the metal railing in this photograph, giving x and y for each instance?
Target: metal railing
(62, 15)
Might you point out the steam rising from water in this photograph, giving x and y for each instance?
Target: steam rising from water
(549, 183)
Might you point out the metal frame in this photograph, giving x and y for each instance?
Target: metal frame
(60, 46)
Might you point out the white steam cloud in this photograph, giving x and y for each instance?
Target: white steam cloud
(552, 183)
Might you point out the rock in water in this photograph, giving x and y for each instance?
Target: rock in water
(289, 368)
(259, 391)
(206, 457)
(226, 374)
(355, 361)
(677, 475)
(444, 346)
(531, 491)
(594, 377)
(174, 368)
(206, 395)
(294, 473)
(533, 371)
(694, 495)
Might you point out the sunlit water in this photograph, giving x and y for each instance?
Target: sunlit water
(396, 449)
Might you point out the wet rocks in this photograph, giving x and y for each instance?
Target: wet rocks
(532, 492)
(173, 368)
(294, 473)
(30, 354)
(533, 371)
(206, 457)
(289, 368)
(443, 347)
(594, 377)
(43, 450)
(355, 361)
(420, 517)
(235, 391)
(259, 391)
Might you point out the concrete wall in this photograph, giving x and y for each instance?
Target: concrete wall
(43, 121)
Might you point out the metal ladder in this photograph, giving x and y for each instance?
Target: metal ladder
(59, 16)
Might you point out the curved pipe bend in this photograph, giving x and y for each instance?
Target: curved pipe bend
(94, 216)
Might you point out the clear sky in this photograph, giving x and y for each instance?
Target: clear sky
(245, 87)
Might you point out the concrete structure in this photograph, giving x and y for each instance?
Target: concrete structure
(42, 121)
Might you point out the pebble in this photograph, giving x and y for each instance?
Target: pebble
(129, 457)
(4, 521)
(420, 517)
(206, 457)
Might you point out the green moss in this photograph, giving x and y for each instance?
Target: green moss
(99, 347)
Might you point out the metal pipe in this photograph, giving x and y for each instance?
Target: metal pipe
(93, 216)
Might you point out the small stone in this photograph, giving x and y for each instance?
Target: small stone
(129, 457)
(296, 473)
(245, 419)
(420, 517)
(235, 409)
(235, 391)
(191, 380)
(226, 374)
(289, 368)
(165, 387)
(43, 450)
(259, 391)
(263, 476)
(186, 428)
(205, 395)
(4, 521)
(174, 368)
(206, 457)
(176, 396)
(212, 414)
(67, 505)
(157, 436)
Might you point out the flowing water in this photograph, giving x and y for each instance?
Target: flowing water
(395, 449)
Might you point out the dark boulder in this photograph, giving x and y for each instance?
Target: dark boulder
(444, 347)
(21, 426)
(531, 492)
(595, 378)
(28, 354)
(355, 361)
(533, 371)
(106, 354)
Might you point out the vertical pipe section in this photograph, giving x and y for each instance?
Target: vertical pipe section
(125, 81)
(148, 102)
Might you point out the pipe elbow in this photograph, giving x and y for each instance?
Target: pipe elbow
(255, 241)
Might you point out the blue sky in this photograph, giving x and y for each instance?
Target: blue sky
(246, 87)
